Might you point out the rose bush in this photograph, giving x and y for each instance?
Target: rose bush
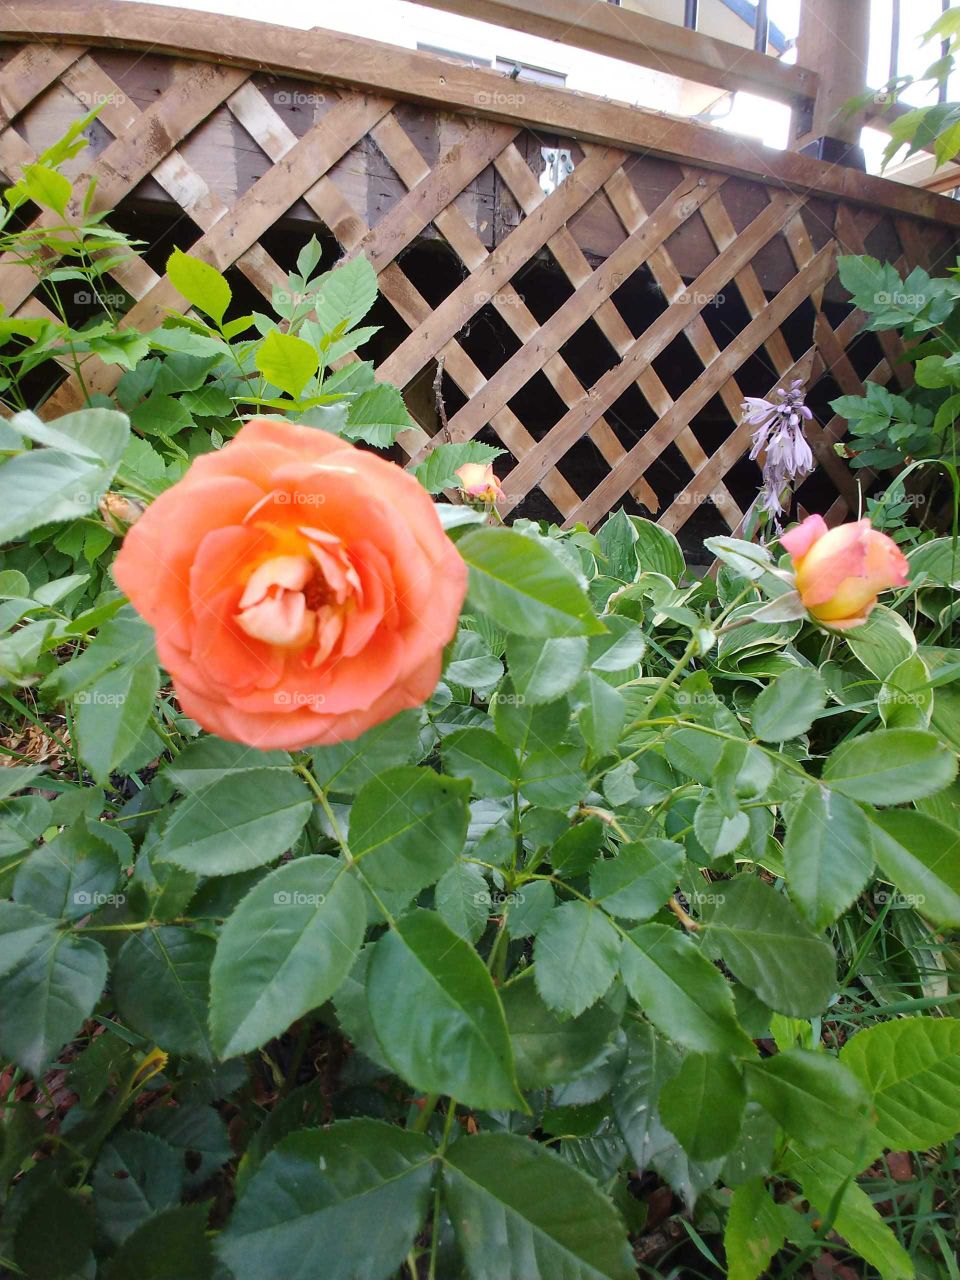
(301, 590)
(646, 902)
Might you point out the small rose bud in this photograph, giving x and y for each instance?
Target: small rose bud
(841, 571)
(478, 481)
(119, 513)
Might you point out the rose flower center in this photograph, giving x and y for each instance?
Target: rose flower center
(297, 600)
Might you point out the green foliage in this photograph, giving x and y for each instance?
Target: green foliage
(662, 878)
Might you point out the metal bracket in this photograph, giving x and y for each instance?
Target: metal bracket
(557, 165)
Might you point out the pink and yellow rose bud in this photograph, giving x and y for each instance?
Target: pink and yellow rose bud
(478, 481)
(119, 512)
(840, 572)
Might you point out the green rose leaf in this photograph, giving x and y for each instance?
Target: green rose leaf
(437, 1015)
(789, 704)
(518, 1209)
(524, 587)
(240, 821)
(344, 1202)
(890, 766)
(770, 949)
(284, 951)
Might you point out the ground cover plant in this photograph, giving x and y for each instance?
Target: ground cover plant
(385, 892)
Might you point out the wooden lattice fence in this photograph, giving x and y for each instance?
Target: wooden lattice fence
(688, 272)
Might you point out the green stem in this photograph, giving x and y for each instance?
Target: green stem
(441, 1150)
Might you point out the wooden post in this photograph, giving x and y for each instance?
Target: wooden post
(834, 40)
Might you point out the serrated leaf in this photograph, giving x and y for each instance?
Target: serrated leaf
(437, 1015)
(344, 1202)
(201, 284)
(575, 957)
(284, 951)
(770, 949)
(812, 1096)
(518, 1209)
(890, 766)
(789, 704)
(523, 587)
(828, 854)
(161, 983)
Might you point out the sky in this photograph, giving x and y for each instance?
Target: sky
(402, 22)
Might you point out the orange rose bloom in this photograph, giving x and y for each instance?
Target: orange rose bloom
(841, 571)
(302, 590)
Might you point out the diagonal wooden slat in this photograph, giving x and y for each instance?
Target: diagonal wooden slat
(276, 139)
(498, 269)
(700, 392)
(509, 305)
(570, 315)
(645, 349)
(31, 70)
(129, 159)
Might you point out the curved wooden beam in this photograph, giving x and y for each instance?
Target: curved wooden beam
(420, 77)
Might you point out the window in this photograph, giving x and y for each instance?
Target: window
(524, 71)
(453, 55)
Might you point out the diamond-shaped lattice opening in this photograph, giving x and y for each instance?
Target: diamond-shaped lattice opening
(639, 300)
(818, 398)
(630, 416)
(489, 341)
(743, 481)
(712, 426)
(799, 327)
(818, 217)
(284, 242)
(589, 355)
(882, 242)
(865, 353)
(541, 286)
(678, 365)
(743, 201)
(160, 232)
(817, 493)
(538, 406)
(536, 505)
(691, 248)
(668, 474)
(724, 313)
(433, 269)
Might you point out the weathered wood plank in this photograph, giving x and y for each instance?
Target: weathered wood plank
(381, 68)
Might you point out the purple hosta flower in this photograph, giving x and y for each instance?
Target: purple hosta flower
(779, 436)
